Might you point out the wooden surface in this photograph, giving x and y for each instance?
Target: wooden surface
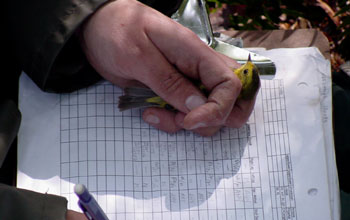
(270, 39)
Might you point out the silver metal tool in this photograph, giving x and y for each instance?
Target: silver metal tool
(193, 14)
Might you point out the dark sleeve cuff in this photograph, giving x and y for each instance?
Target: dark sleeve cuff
(23, 204)
(65, 66)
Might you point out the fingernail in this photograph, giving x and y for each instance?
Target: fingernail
(194, 101)
(198, 125)
(152, 119)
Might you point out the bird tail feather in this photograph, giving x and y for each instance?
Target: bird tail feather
(135, 97)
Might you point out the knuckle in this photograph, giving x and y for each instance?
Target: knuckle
(218, 117)
(230, 84)
(235, 83)
(172, 82)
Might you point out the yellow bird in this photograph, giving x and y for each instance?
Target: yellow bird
(134, 97)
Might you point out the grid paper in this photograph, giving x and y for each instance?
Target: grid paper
(278, 150)
(138, 172)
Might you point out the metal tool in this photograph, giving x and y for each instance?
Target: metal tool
(193, 14)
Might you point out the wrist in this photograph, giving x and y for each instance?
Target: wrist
(79, 32)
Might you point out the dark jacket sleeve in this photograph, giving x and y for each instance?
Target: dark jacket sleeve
(10, 119)
(41, 35)
(23, 204)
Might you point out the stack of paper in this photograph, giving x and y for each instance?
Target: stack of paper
(280, 165)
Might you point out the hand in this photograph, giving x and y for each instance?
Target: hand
(73, 215)
(128, 42)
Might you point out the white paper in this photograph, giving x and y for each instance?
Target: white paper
(280, 165)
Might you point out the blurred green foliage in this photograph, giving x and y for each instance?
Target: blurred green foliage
(332, 17)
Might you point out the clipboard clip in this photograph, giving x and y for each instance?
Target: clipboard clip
(193, 14)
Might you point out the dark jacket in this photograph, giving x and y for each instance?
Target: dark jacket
(41, 35)
(40, 40)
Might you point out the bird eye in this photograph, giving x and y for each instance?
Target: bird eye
(245, 72)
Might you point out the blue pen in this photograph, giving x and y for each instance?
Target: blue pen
(88, 204)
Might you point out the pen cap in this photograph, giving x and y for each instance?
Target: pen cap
(82, 192)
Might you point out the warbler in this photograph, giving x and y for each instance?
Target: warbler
(136, 97)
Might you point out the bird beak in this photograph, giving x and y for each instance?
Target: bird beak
(249, 60)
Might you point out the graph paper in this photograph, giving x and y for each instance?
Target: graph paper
(180, 175)
(138, 172)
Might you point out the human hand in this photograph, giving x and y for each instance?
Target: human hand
(73, 215)
(128, 42)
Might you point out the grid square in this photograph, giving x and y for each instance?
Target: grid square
(82, 110)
